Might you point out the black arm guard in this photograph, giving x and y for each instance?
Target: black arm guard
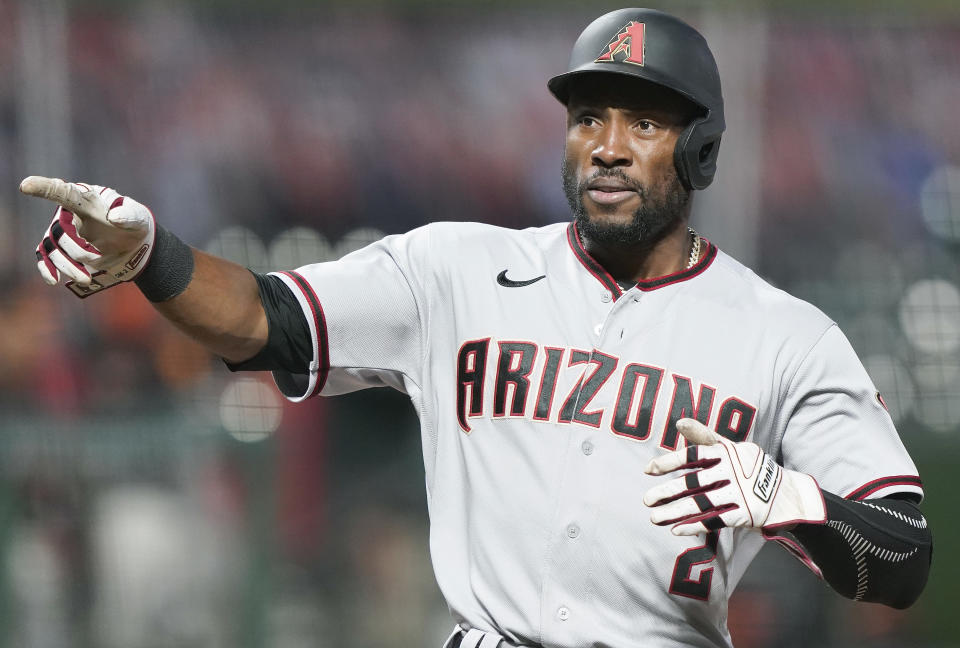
(289, 347)
(877, 551)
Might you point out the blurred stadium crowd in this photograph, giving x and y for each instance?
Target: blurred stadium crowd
(149, 498)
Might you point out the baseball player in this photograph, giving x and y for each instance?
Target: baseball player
(615, 414)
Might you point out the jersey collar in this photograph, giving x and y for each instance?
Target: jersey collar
(598, 271)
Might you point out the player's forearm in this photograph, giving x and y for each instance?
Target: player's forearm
(219, 306)
(876, 551)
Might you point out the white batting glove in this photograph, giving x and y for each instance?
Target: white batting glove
(728, 485)
(97, 239)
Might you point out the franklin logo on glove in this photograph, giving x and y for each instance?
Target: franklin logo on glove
(768, 481)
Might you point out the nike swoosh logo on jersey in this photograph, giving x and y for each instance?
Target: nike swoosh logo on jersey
(510, 283)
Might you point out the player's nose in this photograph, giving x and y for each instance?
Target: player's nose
(612, 148)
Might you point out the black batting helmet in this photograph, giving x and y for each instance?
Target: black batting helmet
(662, 49)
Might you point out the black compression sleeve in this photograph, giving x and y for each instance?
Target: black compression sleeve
(289, 347)
(877, 551)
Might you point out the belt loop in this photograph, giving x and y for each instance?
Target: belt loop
(490, 641)
(472, 639)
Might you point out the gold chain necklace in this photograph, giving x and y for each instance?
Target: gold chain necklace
(694, 249)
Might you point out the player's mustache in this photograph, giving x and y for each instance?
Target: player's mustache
(617, 174)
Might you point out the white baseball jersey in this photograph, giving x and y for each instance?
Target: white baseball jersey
(543, 389)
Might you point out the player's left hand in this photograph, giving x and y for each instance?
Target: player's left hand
(728, 485)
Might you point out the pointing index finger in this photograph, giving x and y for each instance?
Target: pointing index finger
(65, 194)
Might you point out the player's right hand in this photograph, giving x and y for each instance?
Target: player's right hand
(97, 239)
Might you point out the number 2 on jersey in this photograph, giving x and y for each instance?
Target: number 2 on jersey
(682, 583)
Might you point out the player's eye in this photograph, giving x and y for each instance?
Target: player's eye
(587, 120)
(645, 126)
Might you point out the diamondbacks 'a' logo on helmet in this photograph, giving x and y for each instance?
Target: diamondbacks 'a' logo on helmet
(626, 46)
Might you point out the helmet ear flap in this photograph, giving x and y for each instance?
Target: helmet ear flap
(696, 151)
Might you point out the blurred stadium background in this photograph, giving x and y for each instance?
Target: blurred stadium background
(150, 499)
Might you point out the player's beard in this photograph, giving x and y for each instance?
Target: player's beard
(661, 208)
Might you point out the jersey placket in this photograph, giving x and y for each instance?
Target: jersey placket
(567, 584)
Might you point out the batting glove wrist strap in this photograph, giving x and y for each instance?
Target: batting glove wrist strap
(97, 238)
(798, 500)
(170, 269)
(728, 485)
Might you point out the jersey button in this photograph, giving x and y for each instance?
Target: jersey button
(598, 329)
(563, 614)
(605, 298)
(573, 531)
(587, 448)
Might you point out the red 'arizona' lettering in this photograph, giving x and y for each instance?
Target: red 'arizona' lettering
(515, 372)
